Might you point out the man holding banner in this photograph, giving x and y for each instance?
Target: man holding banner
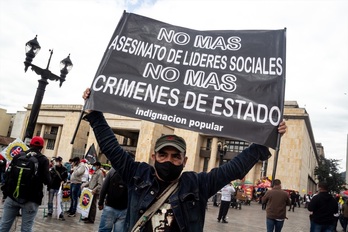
(187, 203)
(223, 83)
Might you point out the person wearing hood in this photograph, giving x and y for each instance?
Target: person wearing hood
(162, 197)
(323, 206)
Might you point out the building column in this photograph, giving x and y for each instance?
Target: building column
(56, 143)
(42, 132)
(213, 154)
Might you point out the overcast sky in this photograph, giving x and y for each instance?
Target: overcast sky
(317, 48)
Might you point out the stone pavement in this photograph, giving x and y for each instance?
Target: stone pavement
(253, 218)
(248, 219)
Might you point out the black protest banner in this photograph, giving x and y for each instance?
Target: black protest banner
(91, 155)
(228, 83)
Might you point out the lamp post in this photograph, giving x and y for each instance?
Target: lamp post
(32, 47)
(222, 149)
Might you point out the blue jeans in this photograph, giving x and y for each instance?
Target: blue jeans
(274, 225)
(112, 218)
(74, 193)
(321, 228)
(51, 194)
(11, 209)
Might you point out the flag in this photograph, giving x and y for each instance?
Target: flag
(91, 155)
(13, 149)
(227, 83)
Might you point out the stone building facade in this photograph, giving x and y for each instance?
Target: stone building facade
(297, 154)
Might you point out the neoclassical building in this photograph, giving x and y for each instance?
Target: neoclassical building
(297, 156)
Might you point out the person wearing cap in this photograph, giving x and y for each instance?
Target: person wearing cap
(184, 209)
(95, 185)
(59, 175)
(78, 169)
(30, 208)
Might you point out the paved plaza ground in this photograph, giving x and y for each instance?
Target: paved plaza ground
(248, 219)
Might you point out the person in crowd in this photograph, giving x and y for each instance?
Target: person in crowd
(226, 194)
(323, 207)
(264, 204)
(177, 200)
(344, 215)
(293, 198)
(59, 175)
(67, 165)
(276, 200)
(95, 185)
(298, 199)
(307, 198)
(86, 175)
(2, 170)
(30, 203)
(338, 213)
(113, 201)
(215, 199)
(78, 169)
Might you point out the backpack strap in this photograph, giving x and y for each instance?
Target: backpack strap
(54, 168)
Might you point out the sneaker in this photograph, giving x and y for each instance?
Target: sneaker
(224, 221)
(68, 212)
(61, 217)
(89, 222)
(84, 219)
(71, 215)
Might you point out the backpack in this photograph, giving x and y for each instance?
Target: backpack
(21, 175)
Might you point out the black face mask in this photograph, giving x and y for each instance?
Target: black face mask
(167, 171)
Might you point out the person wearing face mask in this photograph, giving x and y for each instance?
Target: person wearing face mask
(75, 184)
(95, 185)
(162, 197)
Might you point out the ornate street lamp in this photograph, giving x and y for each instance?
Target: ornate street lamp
(222, 149)
(32, 47)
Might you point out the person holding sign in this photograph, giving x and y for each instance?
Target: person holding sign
(162, 197)
(95, 185)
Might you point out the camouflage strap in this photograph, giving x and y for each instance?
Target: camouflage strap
(154, 207)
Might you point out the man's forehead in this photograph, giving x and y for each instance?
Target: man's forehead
(170, 149)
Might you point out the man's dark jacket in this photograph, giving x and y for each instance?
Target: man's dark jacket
(194, 189)
(323, 207)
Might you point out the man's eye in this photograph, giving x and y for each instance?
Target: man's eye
(160, 154)
(177, 156)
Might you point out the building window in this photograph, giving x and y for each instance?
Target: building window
(236, 145)
(209, 141)
(54, 130)
(205, 164)
(50, 144)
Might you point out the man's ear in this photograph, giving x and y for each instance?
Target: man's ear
(185, 160)
(153, 156)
